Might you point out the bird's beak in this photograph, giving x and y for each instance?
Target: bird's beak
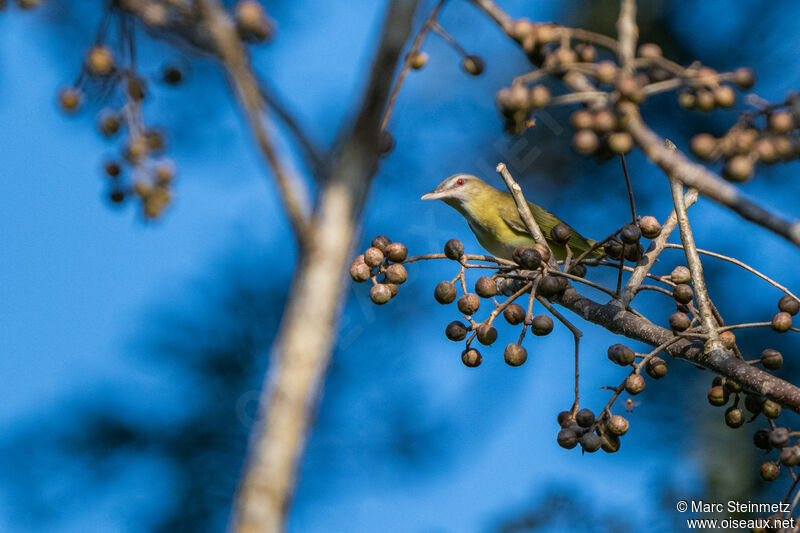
(434, 195)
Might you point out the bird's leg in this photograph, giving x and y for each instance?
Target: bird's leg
(576, 334)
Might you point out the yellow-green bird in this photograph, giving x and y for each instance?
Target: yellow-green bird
(493, 217)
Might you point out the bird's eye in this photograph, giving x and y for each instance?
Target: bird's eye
(460, 181)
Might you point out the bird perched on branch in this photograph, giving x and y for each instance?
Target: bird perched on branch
(493, 217)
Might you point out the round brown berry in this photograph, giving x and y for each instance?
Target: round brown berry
(771, 409)
(702, 145)
(380, 294)
(584, 418)
(634, 384)
(485, 287)
(373, 257)
(650, 227)
(471, 357)
(718, 396)
(787, 304)
(679, 321)
(769, 471)
(585, 142)
(630, 234)
(541, 325)
(738, 168)
(771, 359)
(681, 274)
(618, 425)
(381, 242)
(567, 438)
(359, 272)
(613, 249)
(100, 60)
(744, 77)
(682, 293)
(782, 322)
(396, 252)
(734, 417)
(456, 331)
(591, 442)
(472, 65)
(620, 142)
(656, 368)
(454, 249)
(560, 233)
(396, 274)
(515, 354)
(514, 314)
(486, 334)
(445, 292)
(581, 119)
(621, 354)
(779, 437)
(469, 304)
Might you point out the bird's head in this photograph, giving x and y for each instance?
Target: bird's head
(457, 190)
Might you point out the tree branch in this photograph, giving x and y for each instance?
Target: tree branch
(302, 353)
(231, 52)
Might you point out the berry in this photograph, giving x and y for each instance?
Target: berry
(581, 119)
(779, 437)
(591, 442)
(738, 168)
(585, 142)
(515, 354)
(744, 78)
(787, 304)
(630, 234)
(560, 233)
(100, 60)
(514, 314)
(771, 359)
(724, 96)
(620, 142)
(771, 409)
(656, 368)
(613, 249)
(650, 51)
(610, 443)
(621, 354)
(681, 274)
(541, 325)
(702, 145)
(471, 357)
(360, 272)
(552, 285)
(539, 96)
(380, 294)
(679, 321)
(584, 418)
(445, 292)
(605, 72)
(782, 322)
(381, 242)
(485, 287)
(472, 65)
(486, 334)
(373, 257)
(396, 274)
(396, 252)
(761, 439)
(790, 456)
(682, 293)
(618, 425)
(468, 304)
(567, 438)
(527, 258)
(649, 227)
(769, 471)
(717, 396)
(456, 331)
(454, 249)
(418, 60)
(634, 384)
(734, 417)
(70, 98)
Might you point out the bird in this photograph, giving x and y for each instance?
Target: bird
(493, 217)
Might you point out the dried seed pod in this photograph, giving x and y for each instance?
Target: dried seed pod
(541, 325)
(605, 72)
(472, 65)
(380, 294)
(780, 122)
(618, 425)
(656, 368)
(771, 359)
(454, 249)
(551, 286)
(485, 287)
(396, 274)
(373, 257)
(528, 258)
(790, 456)
(100, 60)
(782, 322)
(418, 60)
(613, 249)
(621, 354)
(744, 78)
(681, 274)
(649, 227)
(468, 304)
(567, 438)
(717, 396)
(515, 354)
(650, 51)
(610, 443)
(581, 119)
(679, 321)
(728, 339)
(445, 292)
(69, 99)
(456, 331)
(682, 293)
(585, 142)
(761, 439)
(514, 314)
(381, 242)
(702, 146)
(590, 442)
(396, 252)
(584, 418)
(630, 234)
(769, 471)
(788, 304)
(738, 168)
(471, 358)
(560, 233)
(360, 272)
(734, 417)
(620, 142)
(633, 252)
(539, 97)
(779, 437)
(634, 384)
(724, 96)
(771, 409)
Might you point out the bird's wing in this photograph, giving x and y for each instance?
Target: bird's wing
(546, 220)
